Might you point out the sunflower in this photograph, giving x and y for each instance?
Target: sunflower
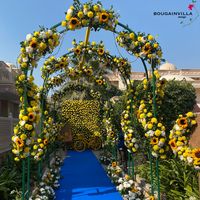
(146, 48)
(77, 51)
(196, 154)
(19, 142)
(61, 64)
(134, 189)
(172, 143)
(123, 63)
(89, 72)
(151, 198)
(114, 164)
(154, 140)
(101, 51)
(103, 17)
(182, 122)
(197, 162)
(45, 141)
(31, 116)
(163, 81)
(33, 44)
(99, 82)
(73, 23)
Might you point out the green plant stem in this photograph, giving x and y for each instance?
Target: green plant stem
(23, 179)
(129, 159)
(133, 168)
(151, 171)
(154, 92)
(126, 27)
(132, 123)
(145, 68)
(56, 25)
(28, 177)
(158, 177)
(39, 170)
(62, 31)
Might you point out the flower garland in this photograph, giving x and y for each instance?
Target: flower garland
(141, 45)
(127, 122)
(154, 129)
(96, 52)
(45, 190)
(33, 48)
(88, 14)
(37, 45)
(179, 140)
(24, 133)
(111, 136)
(130, 189)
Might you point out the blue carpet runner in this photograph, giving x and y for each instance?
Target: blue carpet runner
(85, 179)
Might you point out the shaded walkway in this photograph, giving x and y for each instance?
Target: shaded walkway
(85, 179)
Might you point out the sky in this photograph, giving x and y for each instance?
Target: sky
(180, 43)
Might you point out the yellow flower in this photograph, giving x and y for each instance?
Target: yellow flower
(22, 77)
(26, 150)
(182, 122)
(154, 120)
(155, 45)
(149, 114)
(161, 151)
(31, 116)
(154, 140)
(172, 143)
(193, 122)
(157, 133)
(64, 23)
(16, 130)
(16, 159)
(103, 17)
(114, 164)
(35, 147)
(150, 126)
(196, 153)
(134, 149)
(25, 118)
(19, 142)
(162, 140)
(142, 116)
(96, 8)
(84, 22)
(159, 125)
(132, 36)
(190, 114)
(29, 127)
(80, 14)
(39, 140)
(90, 14)
(101, 51)
(156, 147)
(73, 23)
(23, 136)
(150, 37)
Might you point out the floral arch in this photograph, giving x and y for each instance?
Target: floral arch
(34, 108)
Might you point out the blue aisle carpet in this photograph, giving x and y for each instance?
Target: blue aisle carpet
(85, 179)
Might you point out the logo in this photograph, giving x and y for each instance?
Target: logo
(186, 17)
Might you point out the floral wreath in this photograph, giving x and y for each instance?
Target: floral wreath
(179, 140)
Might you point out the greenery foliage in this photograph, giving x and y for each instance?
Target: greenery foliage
(178, 180)
(180, 97)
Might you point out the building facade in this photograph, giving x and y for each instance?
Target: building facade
(167, 71)
(9, 104)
